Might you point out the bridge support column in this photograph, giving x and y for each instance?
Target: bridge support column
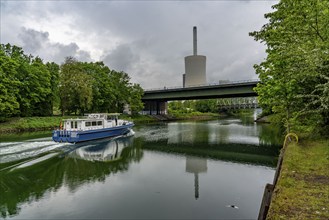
(155, 108)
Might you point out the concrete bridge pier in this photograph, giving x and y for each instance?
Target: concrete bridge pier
(155, 108)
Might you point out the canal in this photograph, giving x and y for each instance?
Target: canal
(178, 170)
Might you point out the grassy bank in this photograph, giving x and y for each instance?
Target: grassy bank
(139, 119)
(302, 191)
(49, 123)
(194, 116)
(31, 123)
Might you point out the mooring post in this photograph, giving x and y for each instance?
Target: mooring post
(266, 201)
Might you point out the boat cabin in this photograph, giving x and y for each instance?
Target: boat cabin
(92, 122)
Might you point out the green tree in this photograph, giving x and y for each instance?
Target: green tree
(135, 98)
(53, 69)
(93, 87)
(121, 92)
(75, 87)
(20, 73)
(9, 84)
(40, 89)
(28, 87)
(294, 76)
(207, 105)
(102, 88)
(25, 84)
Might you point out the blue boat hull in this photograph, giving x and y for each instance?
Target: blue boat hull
(80, 136)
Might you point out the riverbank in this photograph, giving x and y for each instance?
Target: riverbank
(195, 116)
(13, 125)
(27, 124)
(263, 119)
(302, 190)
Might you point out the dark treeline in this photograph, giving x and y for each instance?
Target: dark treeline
(30, 87)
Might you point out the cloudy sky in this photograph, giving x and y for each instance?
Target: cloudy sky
(146, 39)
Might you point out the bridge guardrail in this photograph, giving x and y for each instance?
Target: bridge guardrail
(202, 85)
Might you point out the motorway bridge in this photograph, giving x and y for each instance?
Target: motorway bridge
(155, 101)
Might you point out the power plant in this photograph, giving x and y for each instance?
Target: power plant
(195, 66)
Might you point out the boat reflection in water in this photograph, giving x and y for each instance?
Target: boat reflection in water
(102, 151)
(29, 181)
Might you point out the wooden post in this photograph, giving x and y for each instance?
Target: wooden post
(266, 201)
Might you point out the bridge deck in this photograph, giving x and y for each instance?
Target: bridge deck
(228, 90)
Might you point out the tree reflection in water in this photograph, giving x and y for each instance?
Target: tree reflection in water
(73, 166)
(85, 163)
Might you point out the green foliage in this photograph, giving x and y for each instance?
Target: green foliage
(93, 87)
(31, 123)
(209, 105)
(136, 93)
(295, 75)
(53, 69)
(190, 106)
(120, 90)
(75, 87)
(28, 87)
(9, 85)
(25, 85)
(102, 89)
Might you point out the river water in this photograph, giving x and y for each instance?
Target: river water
(178, 170)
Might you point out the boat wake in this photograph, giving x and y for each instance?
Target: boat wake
(13, 151)
(35, 149)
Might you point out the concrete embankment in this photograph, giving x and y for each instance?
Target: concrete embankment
(263, 119)
(300, 189)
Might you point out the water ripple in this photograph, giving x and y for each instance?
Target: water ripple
(13, 151)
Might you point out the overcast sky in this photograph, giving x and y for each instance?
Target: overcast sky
(146, 39)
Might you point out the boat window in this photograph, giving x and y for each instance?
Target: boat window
(99, 123)
(94, 123)
(74, 124)
(88, 123)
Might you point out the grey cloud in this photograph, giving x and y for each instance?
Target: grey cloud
(37, 43)
(83, 55)
(149, 40)
(33, 39)
(121, 58)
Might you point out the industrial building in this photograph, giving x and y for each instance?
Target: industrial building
(195, 66)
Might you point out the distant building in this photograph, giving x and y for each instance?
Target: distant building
(195, 66)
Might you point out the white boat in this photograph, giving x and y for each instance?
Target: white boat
(94, 126)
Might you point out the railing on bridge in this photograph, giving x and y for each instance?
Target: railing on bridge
(203, 85)
(237, 103)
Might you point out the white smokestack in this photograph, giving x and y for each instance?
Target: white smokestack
(195, 66)
(195, 46)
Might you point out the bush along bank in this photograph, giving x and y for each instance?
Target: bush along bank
(48, 123)
(14, 125)
(31, 124)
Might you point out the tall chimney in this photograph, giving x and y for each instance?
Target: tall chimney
(195, 48)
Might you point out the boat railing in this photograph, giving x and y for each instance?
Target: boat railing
(65, 133)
